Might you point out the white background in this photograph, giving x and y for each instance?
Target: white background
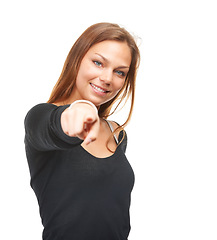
(173, 132)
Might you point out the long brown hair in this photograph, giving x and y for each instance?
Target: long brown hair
(95, 34)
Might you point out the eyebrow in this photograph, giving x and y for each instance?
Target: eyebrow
(106, 60)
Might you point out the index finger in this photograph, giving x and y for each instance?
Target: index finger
(93, 133)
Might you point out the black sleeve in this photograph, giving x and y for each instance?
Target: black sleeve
(43, 128)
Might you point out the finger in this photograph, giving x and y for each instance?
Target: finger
(90, 119)
(82, 134)
(92, 134)
(77, 128)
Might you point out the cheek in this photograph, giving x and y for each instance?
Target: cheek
(118, 84)
(86, 73)
(82, 78)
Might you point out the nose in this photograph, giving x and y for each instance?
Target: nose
(106, 76)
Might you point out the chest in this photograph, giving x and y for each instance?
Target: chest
(80, 167)
(104, 146)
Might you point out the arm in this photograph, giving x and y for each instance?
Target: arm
(43, 128)
(49, 127)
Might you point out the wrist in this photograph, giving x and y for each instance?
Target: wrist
(84, 101)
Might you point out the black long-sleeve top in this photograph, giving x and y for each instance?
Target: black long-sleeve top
(80, 197)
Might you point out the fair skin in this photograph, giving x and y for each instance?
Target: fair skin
(101, 76)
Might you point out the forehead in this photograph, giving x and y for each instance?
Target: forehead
(114, 51)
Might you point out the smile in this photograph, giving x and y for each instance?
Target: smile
(98, 88)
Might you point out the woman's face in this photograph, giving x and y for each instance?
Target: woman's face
(102, 72)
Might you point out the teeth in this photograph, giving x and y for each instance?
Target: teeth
(97, 88)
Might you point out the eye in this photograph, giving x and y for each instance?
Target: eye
(97, 63)
(121, 73)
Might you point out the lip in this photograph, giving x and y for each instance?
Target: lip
(99, 90)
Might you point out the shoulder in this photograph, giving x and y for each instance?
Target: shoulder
(43, 111)
(42, 106)
(120, 134)
(114, 124)
(45, 108)
(39, 109)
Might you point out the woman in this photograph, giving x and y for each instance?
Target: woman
(77, 161)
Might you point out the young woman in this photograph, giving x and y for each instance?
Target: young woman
(77, 161)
